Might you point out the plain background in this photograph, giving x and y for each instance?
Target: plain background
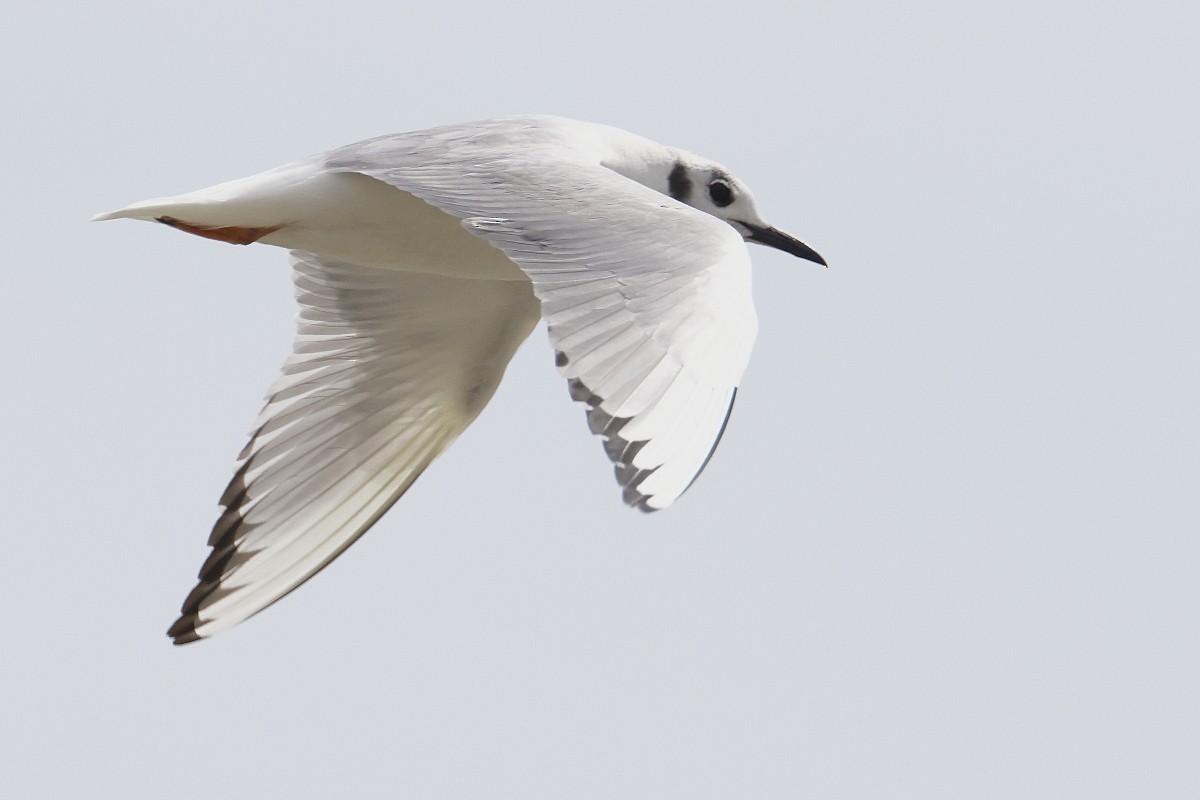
(948, 549)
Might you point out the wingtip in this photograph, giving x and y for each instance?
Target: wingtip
(184, 630)
(635, 499)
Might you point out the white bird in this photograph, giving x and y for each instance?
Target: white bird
(421, 262)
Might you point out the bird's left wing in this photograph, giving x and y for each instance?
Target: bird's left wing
(388, 369)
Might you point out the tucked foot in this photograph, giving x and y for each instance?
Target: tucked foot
(232, 235)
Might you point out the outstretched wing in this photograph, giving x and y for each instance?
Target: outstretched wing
(388, 369)
(648, 300)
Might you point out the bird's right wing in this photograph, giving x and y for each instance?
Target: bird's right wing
(388, 369)
(647, 299)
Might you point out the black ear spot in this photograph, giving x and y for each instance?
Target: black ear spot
(720, 192)
(678, 182)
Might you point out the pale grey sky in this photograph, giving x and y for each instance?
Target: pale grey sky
(950, 544)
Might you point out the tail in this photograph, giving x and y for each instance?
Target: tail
(156, 209)
(164, 210)
(256, 203)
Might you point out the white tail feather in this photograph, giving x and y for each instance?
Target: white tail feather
(262, 200)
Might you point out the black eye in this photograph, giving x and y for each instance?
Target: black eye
(720, 193)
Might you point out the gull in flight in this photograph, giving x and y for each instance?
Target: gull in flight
(421, 262)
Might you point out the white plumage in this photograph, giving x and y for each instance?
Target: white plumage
(421, 262)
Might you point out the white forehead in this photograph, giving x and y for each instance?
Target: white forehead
(675, 172)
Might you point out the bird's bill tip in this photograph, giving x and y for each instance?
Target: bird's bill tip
(773, 237)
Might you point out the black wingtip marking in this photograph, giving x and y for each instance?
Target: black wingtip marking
(223, 541)
(218, 559)
(679, 185)
(184, 630)
(623, 451)
(619, 450)
(191, 603)
(560, 359)
(635, 499)
(582, 394)
(233, 496)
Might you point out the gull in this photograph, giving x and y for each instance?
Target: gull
(421, 262)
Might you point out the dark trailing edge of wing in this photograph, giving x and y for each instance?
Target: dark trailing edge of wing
(716, 441)
(622, 451)
(224, 540)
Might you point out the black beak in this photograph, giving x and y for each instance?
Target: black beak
(773, 237)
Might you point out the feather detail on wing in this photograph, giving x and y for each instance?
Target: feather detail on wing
(388, 369)
(647, 300)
